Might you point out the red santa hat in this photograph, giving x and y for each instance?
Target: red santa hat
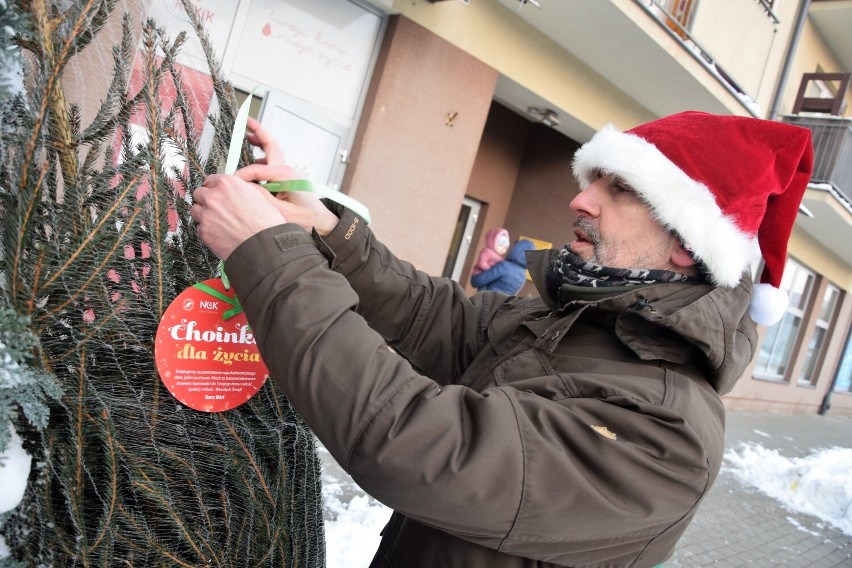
(720, 182)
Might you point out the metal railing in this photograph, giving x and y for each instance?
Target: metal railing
(832, 138)
(658, 10)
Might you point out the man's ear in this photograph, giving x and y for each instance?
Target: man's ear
(681, 257)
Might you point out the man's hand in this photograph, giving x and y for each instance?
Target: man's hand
(228, 210)
(300, 207)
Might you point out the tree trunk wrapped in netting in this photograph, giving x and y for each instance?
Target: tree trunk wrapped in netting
(96, 242)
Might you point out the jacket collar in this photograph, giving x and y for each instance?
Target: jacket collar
(671, 320)
(537, 263)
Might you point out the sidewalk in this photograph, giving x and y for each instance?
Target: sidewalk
(739, 526)
(736, 525)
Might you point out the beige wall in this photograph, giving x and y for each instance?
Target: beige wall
(750, 48)
(814, 255)
(409, 165)
(683, 56)
(495, 36)
(757, 395)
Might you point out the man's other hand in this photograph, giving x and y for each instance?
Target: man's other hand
(228, 210)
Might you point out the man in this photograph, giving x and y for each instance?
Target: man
(579, 429)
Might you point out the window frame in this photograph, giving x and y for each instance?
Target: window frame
(791, 270)
(817, 356)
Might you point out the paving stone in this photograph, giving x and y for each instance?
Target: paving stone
(739, 526)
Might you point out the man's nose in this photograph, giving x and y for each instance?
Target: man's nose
(587, 202)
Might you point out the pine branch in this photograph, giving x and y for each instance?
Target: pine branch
(93, 16)
(107, 118)
(54, 100)
(123, 470)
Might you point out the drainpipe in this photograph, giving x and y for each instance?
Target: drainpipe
(788, 60)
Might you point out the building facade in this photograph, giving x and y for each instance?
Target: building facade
(447, 118)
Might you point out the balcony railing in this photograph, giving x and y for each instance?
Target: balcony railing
(832, 138)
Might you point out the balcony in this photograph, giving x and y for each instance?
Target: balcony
(829, 195)
(832, 138)
(668, 58)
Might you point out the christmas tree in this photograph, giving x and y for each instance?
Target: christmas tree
(96, 242)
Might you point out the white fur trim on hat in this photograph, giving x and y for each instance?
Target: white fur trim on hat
(676, 200)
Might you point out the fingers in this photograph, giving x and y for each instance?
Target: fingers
(257, 135)
(266, 172)
(227, 210)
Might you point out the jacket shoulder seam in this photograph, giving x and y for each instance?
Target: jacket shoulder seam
(372, 419)
(523, 473)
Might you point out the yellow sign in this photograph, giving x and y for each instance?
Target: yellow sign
(539, 245)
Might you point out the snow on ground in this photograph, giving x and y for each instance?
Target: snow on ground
(819, 484)
(353, 519)
(351, 529)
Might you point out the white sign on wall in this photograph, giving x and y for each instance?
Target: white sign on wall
(316, 51)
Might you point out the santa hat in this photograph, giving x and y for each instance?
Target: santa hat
(718, 182)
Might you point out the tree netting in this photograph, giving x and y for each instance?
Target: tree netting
(96, 242)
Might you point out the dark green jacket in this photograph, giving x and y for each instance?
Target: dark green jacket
(504, 431)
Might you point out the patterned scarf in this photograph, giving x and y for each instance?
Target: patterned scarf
(568, 268)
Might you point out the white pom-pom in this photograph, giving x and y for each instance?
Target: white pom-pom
(768, 304)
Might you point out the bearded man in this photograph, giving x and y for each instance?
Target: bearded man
(579, 428)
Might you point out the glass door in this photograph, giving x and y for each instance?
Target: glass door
(462, 238)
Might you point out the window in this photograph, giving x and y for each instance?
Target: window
(843, 381)
(817, 343)
(462, 237)
(777, 349)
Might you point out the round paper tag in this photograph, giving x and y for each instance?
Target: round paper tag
(207, 362)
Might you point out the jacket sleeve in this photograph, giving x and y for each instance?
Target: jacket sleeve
(402, 436)
(431, 321)
(488, 276)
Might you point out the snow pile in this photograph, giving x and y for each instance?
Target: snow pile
(819, 484)
(351, 529)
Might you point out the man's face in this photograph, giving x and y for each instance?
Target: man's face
(614, 228)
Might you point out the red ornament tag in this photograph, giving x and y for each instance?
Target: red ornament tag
(205, 351)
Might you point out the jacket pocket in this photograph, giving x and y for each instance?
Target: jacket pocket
(589, 377)
(525, 372)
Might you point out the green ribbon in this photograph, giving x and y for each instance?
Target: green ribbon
(233, 159)
(321, 190)
(235, 310)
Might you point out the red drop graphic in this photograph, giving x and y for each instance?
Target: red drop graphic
(267, 29)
